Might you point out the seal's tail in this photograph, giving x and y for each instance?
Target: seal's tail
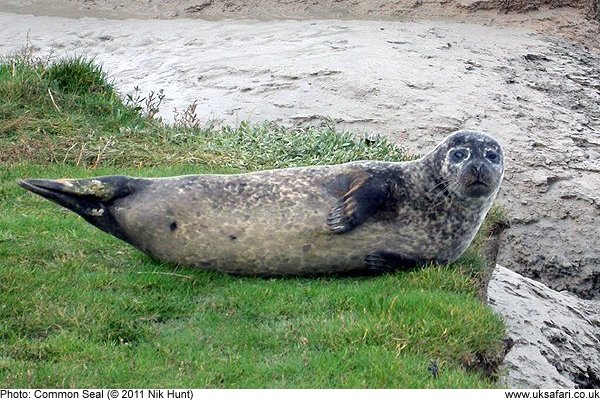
(90, 198)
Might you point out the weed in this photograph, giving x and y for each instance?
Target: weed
(188, 118)
(148, 105)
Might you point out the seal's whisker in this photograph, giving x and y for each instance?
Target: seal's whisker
(444, 190)
(441, 184)
(445, 195)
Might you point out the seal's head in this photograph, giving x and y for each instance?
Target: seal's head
(470, 164)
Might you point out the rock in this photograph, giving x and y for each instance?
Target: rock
(198, 7)
(556, 335)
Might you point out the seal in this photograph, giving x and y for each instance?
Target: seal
(363, 215)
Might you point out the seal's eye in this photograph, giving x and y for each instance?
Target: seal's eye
(458, 155)
(492, 156)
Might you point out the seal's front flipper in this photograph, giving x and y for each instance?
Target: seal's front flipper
(90, 198)
(363, 199)
(387, 261)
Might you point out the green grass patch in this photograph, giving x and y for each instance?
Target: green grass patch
(79, 308)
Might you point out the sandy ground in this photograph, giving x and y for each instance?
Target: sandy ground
(523, 78)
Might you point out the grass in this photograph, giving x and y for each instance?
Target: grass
(79, 308)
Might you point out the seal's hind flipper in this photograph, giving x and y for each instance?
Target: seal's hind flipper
(386, 261)
(90, 198)
(363, 199)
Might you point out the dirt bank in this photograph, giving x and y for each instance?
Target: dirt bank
(530, 79)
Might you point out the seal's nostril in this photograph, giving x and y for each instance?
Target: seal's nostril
(477, 169)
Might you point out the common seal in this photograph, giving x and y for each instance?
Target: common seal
(363, 215)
